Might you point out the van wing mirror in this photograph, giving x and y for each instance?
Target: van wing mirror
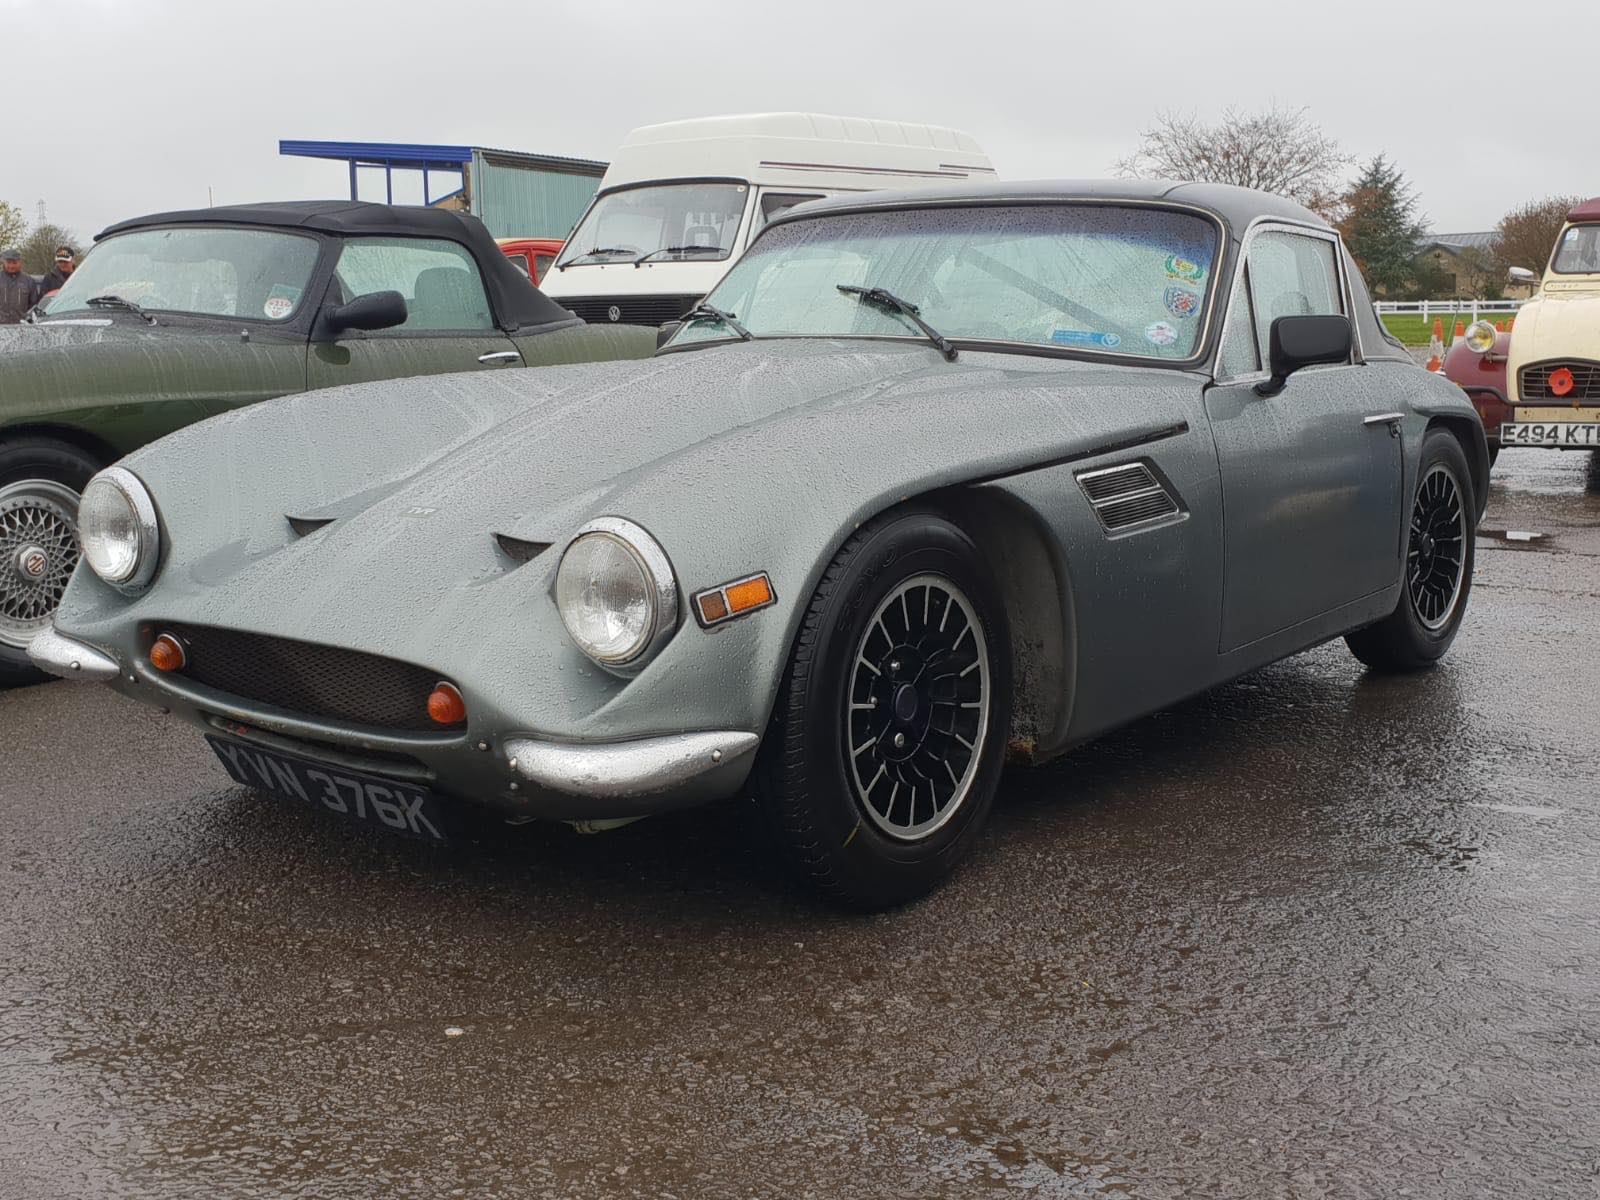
(1298, 342)
(666, 333)
(375, 310)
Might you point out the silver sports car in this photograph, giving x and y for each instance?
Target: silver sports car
(930, 478)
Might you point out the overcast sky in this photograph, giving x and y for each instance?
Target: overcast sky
(141, 105)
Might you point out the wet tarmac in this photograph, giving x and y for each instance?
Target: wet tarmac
(1314, 934)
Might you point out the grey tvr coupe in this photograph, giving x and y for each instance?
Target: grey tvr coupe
(929, 476)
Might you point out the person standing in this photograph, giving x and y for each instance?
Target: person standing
(19, 291)
(66, 263)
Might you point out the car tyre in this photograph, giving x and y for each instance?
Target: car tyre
(904, 647)
(1438, 567)
(40, 482)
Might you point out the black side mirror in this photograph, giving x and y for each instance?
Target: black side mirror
(666, 333)
(1298, 342)
(375, 310)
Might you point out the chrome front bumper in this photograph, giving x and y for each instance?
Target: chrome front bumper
(686, 766)
(57, 654)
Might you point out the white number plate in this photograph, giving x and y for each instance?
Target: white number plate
(1551, 433)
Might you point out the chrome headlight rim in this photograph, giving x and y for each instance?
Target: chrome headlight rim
(147, 523)
(1476, 333)
(662, 586)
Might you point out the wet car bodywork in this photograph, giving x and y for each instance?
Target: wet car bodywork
(1482, 375)
(426, 524)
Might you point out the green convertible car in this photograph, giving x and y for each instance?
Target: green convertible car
(186, 315)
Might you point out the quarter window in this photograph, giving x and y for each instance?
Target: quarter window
(1291, 275)
(439, 280)
(1239, 356)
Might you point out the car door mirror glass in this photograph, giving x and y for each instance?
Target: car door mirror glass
(1298, 342)
(375, 310)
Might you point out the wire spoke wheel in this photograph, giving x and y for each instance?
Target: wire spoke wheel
(1437, 554)
(38, 551)
(917, 708)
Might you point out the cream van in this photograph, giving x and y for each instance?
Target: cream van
(681, 201)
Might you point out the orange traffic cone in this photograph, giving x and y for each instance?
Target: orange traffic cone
(1436, 347)
(1461, 332)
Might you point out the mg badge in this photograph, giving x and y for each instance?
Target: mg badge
(614, 313)
(34, 562)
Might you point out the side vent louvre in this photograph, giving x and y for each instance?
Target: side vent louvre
(1128, 497)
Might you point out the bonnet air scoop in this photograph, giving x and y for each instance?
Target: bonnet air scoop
(304, 526)
(520, 550)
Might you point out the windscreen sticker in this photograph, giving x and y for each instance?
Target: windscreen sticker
(1161, 333)
(281, 301)
(1181, 302)
(1079, 337)
(1182, 268)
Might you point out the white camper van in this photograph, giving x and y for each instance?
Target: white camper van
(681, 201)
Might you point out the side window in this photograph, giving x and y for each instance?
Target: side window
(439, 280)
(1291, 275)
(1239, 356)
(541, 265)
(775, 204)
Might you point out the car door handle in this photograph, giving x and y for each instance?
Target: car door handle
(500, 356)
(1392, 420)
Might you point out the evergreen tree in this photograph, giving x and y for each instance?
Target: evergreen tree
(1381, 226)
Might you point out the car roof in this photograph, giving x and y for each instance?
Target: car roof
(1236, 206)
(518, 305)
(326, 216)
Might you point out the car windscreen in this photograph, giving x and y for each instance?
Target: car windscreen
(671, 222)
(1578, 251)
(1110, 278)
(204, 270)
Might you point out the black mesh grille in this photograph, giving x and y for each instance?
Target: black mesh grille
(631, 310)
(1534, 383)
(315, 681)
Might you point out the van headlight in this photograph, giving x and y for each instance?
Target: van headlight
(118, 530)
(616, 594)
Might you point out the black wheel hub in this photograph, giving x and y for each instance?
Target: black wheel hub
(916, 708)
(1435, 560)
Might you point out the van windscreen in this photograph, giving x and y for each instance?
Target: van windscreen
(659, 222)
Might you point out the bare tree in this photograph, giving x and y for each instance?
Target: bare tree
(13, 225)
(1277, 150)
(1528, 234)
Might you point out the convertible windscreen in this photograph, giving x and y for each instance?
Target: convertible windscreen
(209, 272)
(675, 222)
(1117, 279)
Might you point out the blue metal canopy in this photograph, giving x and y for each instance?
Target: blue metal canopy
(391, 156)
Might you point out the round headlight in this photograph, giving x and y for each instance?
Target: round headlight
(117, 529)
(1480, 337)
(616, 593)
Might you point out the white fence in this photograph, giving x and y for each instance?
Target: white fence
(1450, 310)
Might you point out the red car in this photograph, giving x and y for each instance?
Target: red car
(1476, 364)
(532, 256)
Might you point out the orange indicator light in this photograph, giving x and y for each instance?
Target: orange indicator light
(445, 705)
(752, 593)
(729, 600)
(167, 654)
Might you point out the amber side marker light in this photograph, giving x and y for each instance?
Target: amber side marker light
(734, 599)
(166, 654)
(446, 706)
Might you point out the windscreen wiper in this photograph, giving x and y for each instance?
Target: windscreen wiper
(113, 301)
(591, 253)
(677, 250)
(888, 300)
(711, 312)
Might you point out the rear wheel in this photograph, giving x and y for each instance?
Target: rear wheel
(1438, 568)
(885, 749)
(40, 482)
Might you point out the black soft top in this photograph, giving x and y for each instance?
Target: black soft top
(518, 305)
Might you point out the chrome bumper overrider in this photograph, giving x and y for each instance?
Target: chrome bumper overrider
(687, 765)
(60, 655)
